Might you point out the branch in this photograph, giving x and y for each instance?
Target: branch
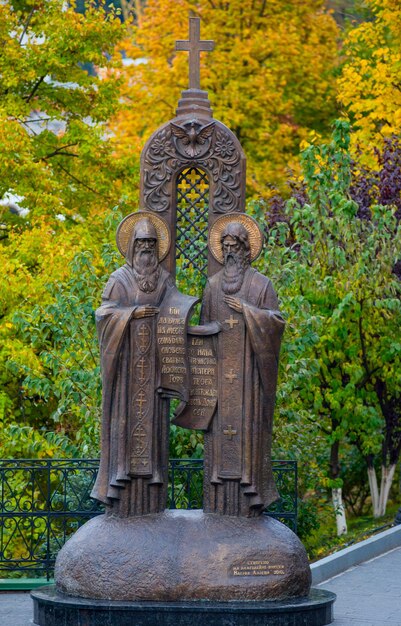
(59, 151)
(380, 393)
(318, 424)
(80, 182)
(26, 25)
(25, 123)
(366, 378)
(362, 340)
(138, 11)
(34, 90)
(397, 452)
(35, 121)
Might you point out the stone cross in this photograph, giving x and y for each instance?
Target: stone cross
(194, 46)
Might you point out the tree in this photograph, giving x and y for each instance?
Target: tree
(369, 85)
(58, 172)
(270, 77)
(342, 357)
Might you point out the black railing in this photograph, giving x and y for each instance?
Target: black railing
(43, 502)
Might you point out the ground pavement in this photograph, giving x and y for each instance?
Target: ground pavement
(367, 595)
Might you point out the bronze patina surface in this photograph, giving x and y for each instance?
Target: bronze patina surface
(194, 46)
(141, 325)
(223, 372)
(193, 140)
(238, 476)
(184, 555)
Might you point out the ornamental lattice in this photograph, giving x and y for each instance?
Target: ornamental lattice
(192, 224)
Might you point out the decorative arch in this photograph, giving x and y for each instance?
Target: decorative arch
(197, 142)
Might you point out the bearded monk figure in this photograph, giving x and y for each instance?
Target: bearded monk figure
(132, 478)
(238, 474)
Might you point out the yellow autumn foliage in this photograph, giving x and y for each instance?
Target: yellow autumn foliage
(270, 77)
(370, 85)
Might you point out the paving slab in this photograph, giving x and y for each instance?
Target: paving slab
(368, 594)
(16, 609)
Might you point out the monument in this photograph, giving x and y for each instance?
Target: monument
(228, 563)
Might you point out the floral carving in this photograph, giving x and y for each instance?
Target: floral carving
(168, 153)
(224, 147)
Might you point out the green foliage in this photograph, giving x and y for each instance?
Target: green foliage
(308, 518)
(340, 368)
(58, 174)
(60, 382)
(323, 541)
(184, 443)
(62, 336)
(52, 111)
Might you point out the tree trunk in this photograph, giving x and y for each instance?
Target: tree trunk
(337, 492)
(339, 510)
(385, 486)
(374, 490)
(380, 498)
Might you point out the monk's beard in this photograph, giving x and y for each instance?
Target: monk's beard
(146, 269)
(235, 266)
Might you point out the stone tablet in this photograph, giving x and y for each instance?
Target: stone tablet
(202, 401)
(171, 331)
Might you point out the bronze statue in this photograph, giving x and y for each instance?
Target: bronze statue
(238, 475)
(138, 558)
(135, 312)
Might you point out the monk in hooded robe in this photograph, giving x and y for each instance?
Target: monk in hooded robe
(238, 474)
(132, 477)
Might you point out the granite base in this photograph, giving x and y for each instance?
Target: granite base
(52, 608)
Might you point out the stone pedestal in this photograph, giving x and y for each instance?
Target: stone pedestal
(181, 568)
(183, 555)
(52, 608)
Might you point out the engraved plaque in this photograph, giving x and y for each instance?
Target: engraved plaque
(257, 567)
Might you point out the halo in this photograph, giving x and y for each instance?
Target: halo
(125, 228)
(254, 232)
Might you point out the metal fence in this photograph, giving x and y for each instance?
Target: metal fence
(42, 502)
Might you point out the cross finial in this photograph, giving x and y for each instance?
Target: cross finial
(194, 46)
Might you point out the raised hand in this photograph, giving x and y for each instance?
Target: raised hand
(145, 311)
(234, 303)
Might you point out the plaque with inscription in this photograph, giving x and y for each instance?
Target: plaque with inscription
(257, 567)
(172, 346)
(202, 400)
